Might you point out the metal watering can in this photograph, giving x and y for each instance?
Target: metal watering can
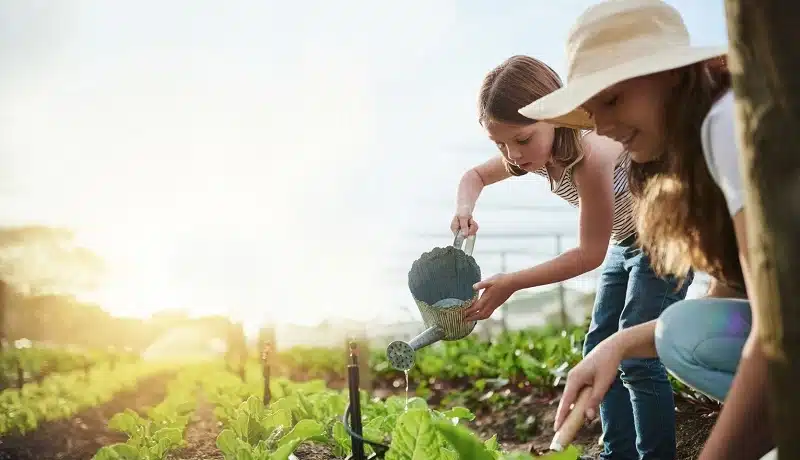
(441, 283)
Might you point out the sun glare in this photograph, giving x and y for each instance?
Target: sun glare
(272, 230)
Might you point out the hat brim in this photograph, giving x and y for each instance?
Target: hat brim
(563, 106)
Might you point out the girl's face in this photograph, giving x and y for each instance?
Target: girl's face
(527, 146)
(632, 113)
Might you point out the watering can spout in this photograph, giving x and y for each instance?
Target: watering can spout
(401, 354)
(427, 337)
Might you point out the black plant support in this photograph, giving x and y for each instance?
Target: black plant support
(20, 373)
(265, 370)
(352, 415)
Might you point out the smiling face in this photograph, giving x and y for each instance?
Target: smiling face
(526, 146)
(633, 113)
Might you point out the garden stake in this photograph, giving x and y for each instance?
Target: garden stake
(265, 368)
(20, 373)
(352, 415)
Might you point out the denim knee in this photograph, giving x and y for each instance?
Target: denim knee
(670, 332)
(700, 341)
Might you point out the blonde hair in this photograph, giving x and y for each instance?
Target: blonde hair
(514, 84)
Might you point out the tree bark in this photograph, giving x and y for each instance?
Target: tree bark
(764, 60)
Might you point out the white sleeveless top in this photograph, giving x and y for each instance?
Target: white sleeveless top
(624, 224)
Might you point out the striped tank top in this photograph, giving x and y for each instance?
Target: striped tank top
(624, 224)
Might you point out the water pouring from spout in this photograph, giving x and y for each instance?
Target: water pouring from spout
(441, 283)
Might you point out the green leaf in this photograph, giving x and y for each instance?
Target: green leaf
(283, 452)
(278, 418)
(227, 442)
(466, 443)
(254, 405)
(415, 439)
(416, 403)
(232, 447)
(304, 429)
(341, 440)
(127, 422)
(120, 451)
(491, 444)
(289, 403)
(459, 413)
(173, 435)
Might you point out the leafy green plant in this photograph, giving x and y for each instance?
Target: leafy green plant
(468, 445)
(37, 362)
(153, 437)
(62, 395)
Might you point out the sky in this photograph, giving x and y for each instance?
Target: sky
(271, 160)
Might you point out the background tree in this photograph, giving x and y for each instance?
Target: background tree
(41, 260)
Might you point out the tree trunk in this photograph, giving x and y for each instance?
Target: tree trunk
(765, 62)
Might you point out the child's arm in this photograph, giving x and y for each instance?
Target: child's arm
(470, 188)
(593, 179)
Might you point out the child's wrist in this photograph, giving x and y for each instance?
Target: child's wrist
(464, 209)
(516, 281)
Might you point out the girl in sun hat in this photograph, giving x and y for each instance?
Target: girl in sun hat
(634, 76)
(591, 173)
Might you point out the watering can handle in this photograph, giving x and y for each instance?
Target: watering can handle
(459, 241)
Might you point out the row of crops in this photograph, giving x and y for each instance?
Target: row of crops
(308, 397)
(19, 365)
(299, 412)
(536, 357)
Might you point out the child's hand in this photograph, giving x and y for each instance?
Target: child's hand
(496, 290)
(463, 221)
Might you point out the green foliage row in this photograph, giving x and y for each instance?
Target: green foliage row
(162, 430)
(308, 412)
(60, 396)
(540, 356)
(537, 357)
(37, 362)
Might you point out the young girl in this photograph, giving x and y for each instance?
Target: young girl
(637, 80)
(589, 172)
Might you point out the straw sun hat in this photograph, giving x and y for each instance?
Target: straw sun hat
(614, 41)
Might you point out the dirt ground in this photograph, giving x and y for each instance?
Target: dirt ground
(201, 435)
(523, 418)
(527, 426)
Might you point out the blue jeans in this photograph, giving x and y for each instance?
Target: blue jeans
(700, 341)
(638, 412)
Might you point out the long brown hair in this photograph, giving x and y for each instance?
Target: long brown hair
(514, 84)
(682, 216)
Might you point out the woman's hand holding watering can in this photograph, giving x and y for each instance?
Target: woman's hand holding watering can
(496, 290)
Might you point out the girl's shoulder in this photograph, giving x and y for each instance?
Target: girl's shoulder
(600, 150)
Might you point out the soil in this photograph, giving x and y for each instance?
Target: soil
(528, 426)
(522, 417)
(314, 451)
(201, 435)
(79, 437)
